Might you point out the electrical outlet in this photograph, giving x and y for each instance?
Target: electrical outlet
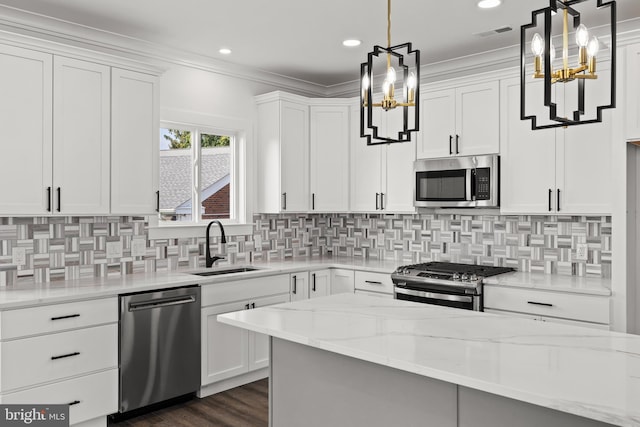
(114, 249)
(581, 251)
(19, 256)
(138, 247)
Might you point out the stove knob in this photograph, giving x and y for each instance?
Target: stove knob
(455, 277)
(473, 278)
(464, 277)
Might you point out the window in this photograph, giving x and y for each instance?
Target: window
(196, 179)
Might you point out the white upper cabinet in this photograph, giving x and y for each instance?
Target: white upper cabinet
(632, 86)
(135, 143)
(81, 138)
(283, 154)
(564, 171)
(461, 121)
(26, 93)
(381, 175)
(329, 159)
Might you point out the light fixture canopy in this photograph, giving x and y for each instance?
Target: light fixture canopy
(398, 66)
(351, 42)
(544, 54)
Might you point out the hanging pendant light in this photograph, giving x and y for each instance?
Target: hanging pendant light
(584, 69)
(401, 69)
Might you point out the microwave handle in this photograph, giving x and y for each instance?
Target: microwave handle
(473, 185)
(469, 187)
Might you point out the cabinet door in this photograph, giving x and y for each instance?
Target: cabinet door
(366, 169)
(225, 349)
(320, 283)
(81, 137)
(342, 281)
(584, 153)
(437, 126)
(299, 286)
(294, 154)
(329, 171)
(135, 128)
(399, 177)
(528, 157)
(633, 92)
(26, 121)
(477, 119)
(259, 343)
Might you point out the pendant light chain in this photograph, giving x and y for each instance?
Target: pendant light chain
(388, 32)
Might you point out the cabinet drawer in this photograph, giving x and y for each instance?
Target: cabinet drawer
(30, 361)
(96, 395)
(239, 290)
(588, 308)
(375, 282)
(57, 317)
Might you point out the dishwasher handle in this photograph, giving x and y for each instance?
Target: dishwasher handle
(161, 302)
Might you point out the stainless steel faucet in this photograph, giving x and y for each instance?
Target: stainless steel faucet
(209, 259)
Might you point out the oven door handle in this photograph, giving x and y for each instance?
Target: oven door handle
(433, 295)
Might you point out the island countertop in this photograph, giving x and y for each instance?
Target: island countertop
(581, 371)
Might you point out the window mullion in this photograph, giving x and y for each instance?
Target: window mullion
(197, 163)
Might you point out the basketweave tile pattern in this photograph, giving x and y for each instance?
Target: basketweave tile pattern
(59, 248)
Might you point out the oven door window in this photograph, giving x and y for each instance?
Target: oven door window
(443, 185)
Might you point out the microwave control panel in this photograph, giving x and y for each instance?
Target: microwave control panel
(483, 183)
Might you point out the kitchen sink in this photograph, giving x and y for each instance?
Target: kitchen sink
(221, 271)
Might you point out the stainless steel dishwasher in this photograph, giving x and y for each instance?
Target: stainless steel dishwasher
(159, 346)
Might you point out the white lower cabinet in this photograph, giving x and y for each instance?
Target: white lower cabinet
(319, 283)
(62, 353)
(299, 286)
(342, 281)
(228, 351)
(377, 284)
(560, 307)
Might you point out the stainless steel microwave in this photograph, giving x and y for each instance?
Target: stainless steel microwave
(457, 182)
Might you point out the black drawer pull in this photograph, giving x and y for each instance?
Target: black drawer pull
(253, 305)
(76, 353)
(75, 402)
(246, 306)
(546, 304)
(372, 283)
(65, 317)
(295, 287)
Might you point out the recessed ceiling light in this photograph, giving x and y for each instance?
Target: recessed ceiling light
(488, 4)
(225, 51)
(351, 43)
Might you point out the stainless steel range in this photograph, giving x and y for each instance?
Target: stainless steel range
(444, 283)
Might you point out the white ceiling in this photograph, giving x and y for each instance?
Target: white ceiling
(303, 39)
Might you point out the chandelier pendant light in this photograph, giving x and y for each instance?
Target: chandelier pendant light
(400, 68)
(544, 55)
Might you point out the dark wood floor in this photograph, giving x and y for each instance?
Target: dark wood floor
(245, 406)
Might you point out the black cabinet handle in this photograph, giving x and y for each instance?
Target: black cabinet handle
(63, 356)
(381, 201)
(550, 193)
(284, 201)
(48, 199)
(372, 282)
(75, 402)
(546, 304)
(450, 142)
(69, 316)
(313, 282)
(253, 305)
(377, 204)
(313, 201)
(558, 200)
(158, 201)
(294, 284)
(246, 306)
(457, 139)
(59, 198)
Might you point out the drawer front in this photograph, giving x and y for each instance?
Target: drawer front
(375, 282)
(57, 317)
(93, 396)
(588, 308)
(240, 290)
(30, 361)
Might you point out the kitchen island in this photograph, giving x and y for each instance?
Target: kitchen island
(358, 360)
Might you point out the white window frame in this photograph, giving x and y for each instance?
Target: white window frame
(237, 224)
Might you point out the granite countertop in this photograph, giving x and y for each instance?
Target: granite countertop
(552, 282)
(586, 372)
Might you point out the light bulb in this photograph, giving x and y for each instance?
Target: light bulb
(552, 52)
(391, 75)
(582, 36)
(537, 45)
(365, 82)
(385, 87)
(593, 47)
(411, 81)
